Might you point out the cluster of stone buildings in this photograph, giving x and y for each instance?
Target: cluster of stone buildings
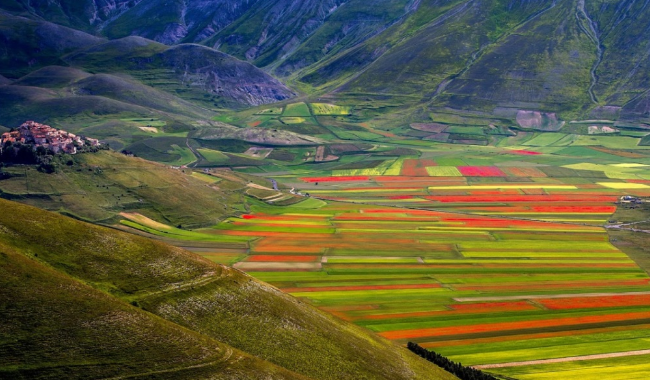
(50, 138)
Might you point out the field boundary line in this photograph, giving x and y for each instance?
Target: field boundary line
(466, 213)
(550, 296)
(563, 360)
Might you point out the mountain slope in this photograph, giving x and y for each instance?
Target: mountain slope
(52, 326)
(86, 15)
(99, 186)
(475, 54)
(498, 57)
(55, 92)
(22, 103)
(194, 72)
(297, 34)
(261, 31)
(178, 21)
(621, 29)
(26, 45)
(216, 301)
(577, 58)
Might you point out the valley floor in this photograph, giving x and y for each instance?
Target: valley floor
(490, 256)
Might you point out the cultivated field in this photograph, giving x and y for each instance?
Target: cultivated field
(493, 256)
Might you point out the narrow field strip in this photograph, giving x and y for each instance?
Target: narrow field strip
(534, 297)
(563, 360)
(494, 330)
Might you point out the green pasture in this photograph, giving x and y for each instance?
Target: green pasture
(324, 109)
(178, 234)
(213, 155)
(296, 110)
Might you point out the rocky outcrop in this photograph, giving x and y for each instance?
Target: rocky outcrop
(178, 21)
(222, 75)
(538, 120)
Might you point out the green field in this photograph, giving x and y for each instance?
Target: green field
(296, 110)
(469, 251)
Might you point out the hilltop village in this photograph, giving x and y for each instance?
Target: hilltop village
(41, 135)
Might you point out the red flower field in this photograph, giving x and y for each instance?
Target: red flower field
(283, 258)
(513, 326)
(481, 171)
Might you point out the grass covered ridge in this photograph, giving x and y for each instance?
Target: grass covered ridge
(99, 186)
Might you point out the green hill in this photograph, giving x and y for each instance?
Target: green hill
(193, 72)
(189, 70)
(29, 45)
(105, 336)
(98, 186)
(53, 326)
(52, 77)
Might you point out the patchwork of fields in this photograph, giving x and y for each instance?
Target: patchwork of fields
(493, 257)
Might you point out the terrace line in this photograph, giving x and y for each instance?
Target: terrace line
(534, 297)
(563, 360)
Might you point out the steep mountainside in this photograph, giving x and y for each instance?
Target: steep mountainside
(56, 93)
(577, 58)
(26, 45)
(88, 15)
(564, 56)
(297, 34)
(487, 54)
(620, 29)
(191, 71)
(219, 303)
(262, 31)
(54, 327)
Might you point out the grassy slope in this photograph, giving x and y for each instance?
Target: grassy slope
(623, 29)
(27, 102)
(634, 244)
(493, 53)
(216, 301)
(128, 90)
(193, 72)
(52, 326)
(513, 54)
(207, 78)
(32, 44)
(540, 62)
(100, 185)
(345, 65)
(52, 77)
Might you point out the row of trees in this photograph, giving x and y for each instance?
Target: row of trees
(461, 371)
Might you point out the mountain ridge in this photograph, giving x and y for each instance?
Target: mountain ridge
(497, 57)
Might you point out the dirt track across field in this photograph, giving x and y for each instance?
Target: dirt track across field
(562, 360)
